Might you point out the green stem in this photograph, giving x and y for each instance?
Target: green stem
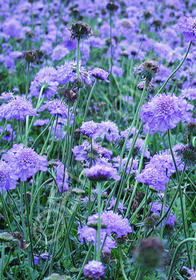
(89, 99)
(99, 222)
(176, 253)
(173, 73)
(78, 59)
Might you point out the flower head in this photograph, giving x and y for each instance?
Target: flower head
(187, 26)
(94, 269)
(25, 162)
(80, 30)
(164, 112)
(17, 108)
(7, 178)
(100, 74)
(102, 172)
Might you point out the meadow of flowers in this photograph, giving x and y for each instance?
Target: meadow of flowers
(98, 139)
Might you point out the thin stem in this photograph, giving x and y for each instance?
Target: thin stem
(173, 73)
(78, 59)
(89, 99)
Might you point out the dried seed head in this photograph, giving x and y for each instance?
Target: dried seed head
(112, 7)
(151, 221)
(30, 56)
(149, 252)
(80, 30)
(148, 69)
(188, 155)
(69, 94)
(190, 131)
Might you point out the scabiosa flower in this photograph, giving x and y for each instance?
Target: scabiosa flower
(157, 208)
(102, 172)
(138, 147)
(94, 269)
(107, 130)
(187, 26)
(8, 133)
(132, 166)
(17, 108)
(55, 107)
(7, 178)
(189, 93)
(24, 161)
(68, 73)
(191, 272)
(100, 74)
(46, 78)
(62, 177)
(59, 52)
(164, 112)
(86, 153)
(43, 256)
(88, 234)
(89, 128)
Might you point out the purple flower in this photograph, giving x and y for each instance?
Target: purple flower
(13, 28)
(7, 178)
(8, 132)
(24, 161)
(46, 78)
(89, 234)
(43, 256)
(191, 272)
(68, 73)
(107, 130)
(41, 122)
(62, 177)
(86, 153)
(112, 223)
(157, 208)
(59, 52)
(132, 166)
(138, 147)
(94, 269)
(187, 26)
(164, 112)
(102, 172)
(17, 108)
(100, 74)
(89, 128)
(189, 93)
(55, 107)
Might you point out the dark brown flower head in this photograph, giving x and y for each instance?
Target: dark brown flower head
(17, 235)
(112, 7)
(30, 34)
(80, 30)
(188, 155)
(149, 252)
(151, 221)
(148, 69)
(190, 131)
(30, 56)
(69, 94)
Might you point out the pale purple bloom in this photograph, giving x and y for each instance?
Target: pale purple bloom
(102, 172)
(7, 178)
(8, 133)
(12, 27)
(59, 52)
(88, 234)
(107, 130)
(41, 122)
(100, 74)
(191, 272)
(62, 177)
(132, 166)
(46, 78)
(86, 153)
(187, 26)
(189, 93)
(112, 204)
(127, 131)
(55, 107)
(68, 73)
(94, 269)
(157, 208)
(164, 112)
(138, 147)
(25, 162)
(43, 256)
(89, 128)
(17, 108)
